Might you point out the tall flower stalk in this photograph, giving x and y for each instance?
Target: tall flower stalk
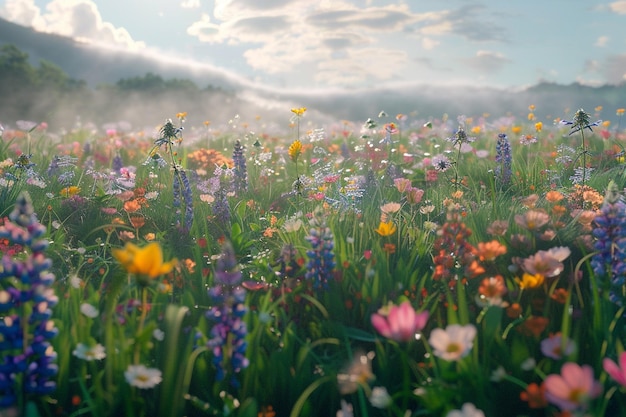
(228, 334)
(321, 257)
(458, 139)
(504, 160)
(170, 135)
(295, 149)
(579, 123)
(27, 358)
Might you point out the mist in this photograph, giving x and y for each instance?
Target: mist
(207, 93)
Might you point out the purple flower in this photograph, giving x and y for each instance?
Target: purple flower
(25, 347)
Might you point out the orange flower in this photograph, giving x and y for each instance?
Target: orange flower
(132, 206)
(490, 250)
(554, 196)
(535, 396)
(389, 248)
(534, 325)
(137, 221)
(514, 311)
(560, 295)
(538, 126)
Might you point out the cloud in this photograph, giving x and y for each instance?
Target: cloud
(190, 4)
(615, 69)
(278, 36)
(78, 19)
(601, 41)
(487, 61)
(618, 7)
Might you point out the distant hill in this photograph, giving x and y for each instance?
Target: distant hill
(98, 66)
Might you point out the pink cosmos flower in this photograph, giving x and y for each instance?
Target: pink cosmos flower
(556, 348)
(618, 373)
(574, 388)
(546, 262)
(399, 323)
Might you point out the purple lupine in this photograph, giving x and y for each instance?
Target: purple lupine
(319, 269)
(228, 334)
(240, 170)
(26, 355)
(503, 159)
(610, 245)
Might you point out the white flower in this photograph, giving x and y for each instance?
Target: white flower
(141, 377)
(89, 310)
(75, 281)
(158, 334)
(453, 343)
(380, 398)
(89, 353)
(346, 410)
(468, 410)
(528, 364)
(292, 225)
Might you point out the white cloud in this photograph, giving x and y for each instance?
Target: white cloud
(78, 19)
(618, 7)
(23, 12)
(428, 43)
(487, 61)
(190, 4)
(601, 41)
(338, 41)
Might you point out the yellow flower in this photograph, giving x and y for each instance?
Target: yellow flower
(529, 281)
(538, 126)
(145, 262)
(299, 112)
(181, 115)
(295, 150)
(70, 191)
(531, 116)
(516, 129)
(386, 228)
(620, 112)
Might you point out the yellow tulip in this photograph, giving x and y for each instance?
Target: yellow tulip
(295, 150)
(143, 262)
(386, 228)
(529, 281)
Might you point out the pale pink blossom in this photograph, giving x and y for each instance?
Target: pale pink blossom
(400, 323)
(618, 373)
(453, 343)
(574, 388)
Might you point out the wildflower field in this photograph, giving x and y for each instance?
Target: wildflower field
(451, 266)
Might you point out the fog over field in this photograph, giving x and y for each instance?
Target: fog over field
(224, 95)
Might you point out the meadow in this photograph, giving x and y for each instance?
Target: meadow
(451, 266)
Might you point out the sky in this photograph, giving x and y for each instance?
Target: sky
(357, 44)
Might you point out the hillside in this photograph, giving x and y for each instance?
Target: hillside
(224, 95)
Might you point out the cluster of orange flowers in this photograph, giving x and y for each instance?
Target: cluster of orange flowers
(208, 159)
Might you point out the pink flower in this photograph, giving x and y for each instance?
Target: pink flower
(402, 184)
(556, 348)
(399, 323)
(414, 195)
(618, 373)
(547, 263)
(574, 388)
